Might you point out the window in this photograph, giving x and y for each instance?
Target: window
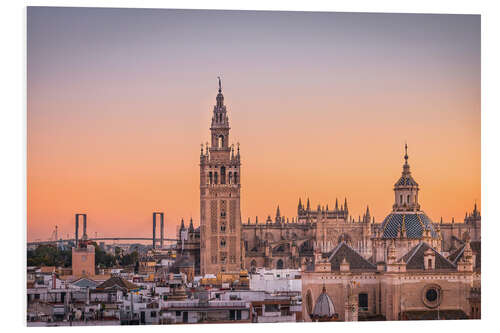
(220, 143)
(429, 264)
(236, 178)
(431, 295)
(223, 175)
(153, 314)
(230, 180)
(223, 242)
(271, 308)
(215, 178)
(363, 302)
(223, 227)
(408, 198)
(210, 180)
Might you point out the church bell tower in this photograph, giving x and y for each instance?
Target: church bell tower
(220, 216)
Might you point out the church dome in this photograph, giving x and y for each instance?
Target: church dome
(408, 225)
(406, 219)
(323, 309)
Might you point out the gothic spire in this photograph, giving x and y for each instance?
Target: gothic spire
(220, 97)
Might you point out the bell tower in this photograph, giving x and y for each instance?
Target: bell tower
(220, 216)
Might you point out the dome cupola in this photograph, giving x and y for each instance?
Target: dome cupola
(406, 189)
(323, 308)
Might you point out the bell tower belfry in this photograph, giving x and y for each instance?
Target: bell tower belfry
(220, 216)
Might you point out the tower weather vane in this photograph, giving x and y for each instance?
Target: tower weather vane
(220, 88)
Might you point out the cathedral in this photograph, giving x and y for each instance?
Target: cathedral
(223, 243)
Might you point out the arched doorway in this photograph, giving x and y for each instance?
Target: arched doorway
(279, 264)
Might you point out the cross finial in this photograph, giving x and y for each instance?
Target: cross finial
(406, 152)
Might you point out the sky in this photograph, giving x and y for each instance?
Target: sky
(119, 101)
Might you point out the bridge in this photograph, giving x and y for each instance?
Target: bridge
(153, 239)
(54, 242)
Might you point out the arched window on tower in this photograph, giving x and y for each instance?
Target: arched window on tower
(408, 198)
(210, 180)
(236, 178)
(220, 142)
(401, 199)
(223, 175)
(230, 179)
(215, 178)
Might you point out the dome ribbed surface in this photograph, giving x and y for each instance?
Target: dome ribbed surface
(324, 306)
(415, 223)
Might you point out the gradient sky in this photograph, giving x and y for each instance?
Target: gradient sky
(119, 101)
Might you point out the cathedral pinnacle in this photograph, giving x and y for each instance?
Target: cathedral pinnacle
(220, 97)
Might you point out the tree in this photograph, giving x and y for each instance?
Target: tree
(49, 255)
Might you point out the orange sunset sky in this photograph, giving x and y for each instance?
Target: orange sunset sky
(119, 101)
